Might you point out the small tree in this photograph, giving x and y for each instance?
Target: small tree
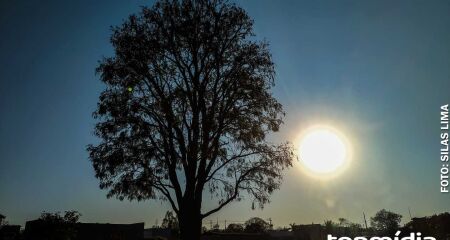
(343, 222)
(355, 229)
(235, 228)
(330, 226)
(186, 109)
(170, 221)
(59, 227)
(69, 217)
(256, 225)
(386, 222)
(2, 220)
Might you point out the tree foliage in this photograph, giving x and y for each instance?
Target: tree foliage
(59, 227)
(235, 228)
(330, 226)
(187, 108)
(256, 225)
(170, 221)
(436, 226)
(343, 222)
(2, 220)
(386, 222)
(200, 103)
(69, 217)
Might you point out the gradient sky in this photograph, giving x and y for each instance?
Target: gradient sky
(376, 70)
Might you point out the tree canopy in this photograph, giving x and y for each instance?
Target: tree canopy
(234, 228)
(256, 225)
(69, 217)
(170, 221)
(2, 220)
(187, 107)
(57, 226)
(386, 222)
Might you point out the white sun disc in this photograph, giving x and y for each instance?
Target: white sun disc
(323, 150)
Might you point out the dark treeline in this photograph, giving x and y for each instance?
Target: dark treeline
(57, 226)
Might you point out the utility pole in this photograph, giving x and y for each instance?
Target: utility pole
(365, 222)
(409, 210)
(225, 227)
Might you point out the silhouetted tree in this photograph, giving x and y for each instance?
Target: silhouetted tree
(292, 225)
(235, 228)
(2, 220)
(343, 222)
(170, 221)
(386, 222)
(59, 227)
(437, 225)
(343, 228)
(187, 107)
(355, 229)
(69, 217)
(330, 226)
(256, 225)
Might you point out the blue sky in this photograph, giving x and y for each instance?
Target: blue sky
(376, 70)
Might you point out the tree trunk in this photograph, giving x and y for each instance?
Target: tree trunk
(190, 221)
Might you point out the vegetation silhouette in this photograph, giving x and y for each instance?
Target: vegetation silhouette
(256, 225)
(170, 221)
(234, 228)
(55, 226)
(386, 222)
(186, 109)
(437, 225)
(2, 220)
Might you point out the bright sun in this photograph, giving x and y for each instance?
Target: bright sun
(323, 150)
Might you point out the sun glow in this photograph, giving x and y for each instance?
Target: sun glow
(324, 150)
